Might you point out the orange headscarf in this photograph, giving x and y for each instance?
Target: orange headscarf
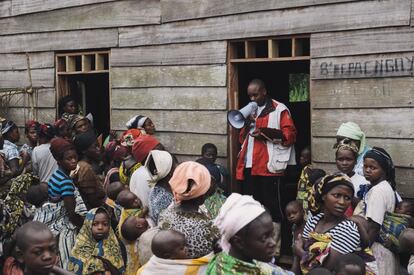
(184, 172)
(142, 146)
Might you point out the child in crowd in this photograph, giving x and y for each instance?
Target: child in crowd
(209, 156)
(405, 207)
(37, 249)
(346, 158)
(37, 194)
(350, 264)
(128, 200)
(31, 131)
(169, 244)
(96, 248)
(295, 215)
(130, 231)
(112, 192)
(67, 106)
(303, 184)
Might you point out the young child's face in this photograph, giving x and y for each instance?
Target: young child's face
(141, 225)
(404, 208)
(32, 135)
(294, 214)
(210, 154)
(14, 135)
(345, 161)
(40, 255)
(133, 202)
(181, 252)
(305, 157)
(69, 161)
(373, 171)
(100, 226)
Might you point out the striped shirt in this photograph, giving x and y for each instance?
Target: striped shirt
(345, 235)
(60, 185)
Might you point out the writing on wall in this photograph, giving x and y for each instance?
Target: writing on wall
(363, 67)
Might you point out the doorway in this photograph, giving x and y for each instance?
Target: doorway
(283, 63)
(85, 76)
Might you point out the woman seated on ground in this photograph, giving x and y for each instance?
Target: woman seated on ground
(89, 182)
(328, 234)
(161, 166)
(190, 183)
(142, 123)
(246, 230)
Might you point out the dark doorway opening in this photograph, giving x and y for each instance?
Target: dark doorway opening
(276, 76)
(92, 93)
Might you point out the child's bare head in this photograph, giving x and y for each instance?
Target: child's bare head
(37, 194)
(294, 212)
(405, 207)
(169, 244)
(114, 189)
(406, 240)
(133, 227)
(128, 200)
(36, 248)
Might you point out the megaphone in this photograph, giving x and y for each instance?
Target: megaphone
(237, 118)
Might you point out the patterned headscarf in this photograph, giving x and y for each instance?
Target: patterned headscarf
(353, 131)
(128, 137)
(83, 260)
(347, 144)
(385, 161)
(136, 122)
(31, 124)
(323, 186)
(6, 126)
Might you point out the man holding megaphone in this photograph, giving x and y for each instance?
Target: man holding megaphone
(267, 138)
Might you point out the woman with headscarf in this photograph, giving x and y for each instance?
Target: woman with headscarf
(246, 230)
(328, 234)
(378, 202)
(142, 123)
(160, 165)
(352, 131)
(189, 184)
(140, 177)
(87, 177)
(78, 124)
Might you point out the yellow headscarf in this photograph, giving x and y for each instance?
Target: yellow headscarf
(83, 260)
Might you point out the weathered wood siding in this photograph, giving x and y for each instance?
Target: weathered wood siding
(365, 76)
(181, 87)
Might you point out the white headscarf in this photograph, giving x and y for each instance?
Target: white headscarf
(236, 212)
(353, 131)
(163, 163)
(136, 122)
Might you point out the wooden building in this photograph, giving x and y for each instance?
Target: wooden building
(184, 63)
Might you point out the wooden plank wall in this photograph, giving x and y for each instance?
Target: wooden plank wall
(365, 76)
(181, 87)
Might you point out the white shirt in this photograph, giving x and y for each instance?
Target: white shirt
(43, 162)
(379, 199)
(358, 180)
(250, 141)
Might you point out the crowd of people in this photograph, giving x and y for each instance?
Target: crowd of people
(72, 202)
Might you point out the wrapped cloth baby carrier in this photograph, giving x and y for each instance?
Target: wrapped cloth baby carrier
(392, 227)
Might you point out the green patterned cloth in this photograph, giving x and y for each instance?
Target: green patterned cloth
(224, 264)
(214, 203)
